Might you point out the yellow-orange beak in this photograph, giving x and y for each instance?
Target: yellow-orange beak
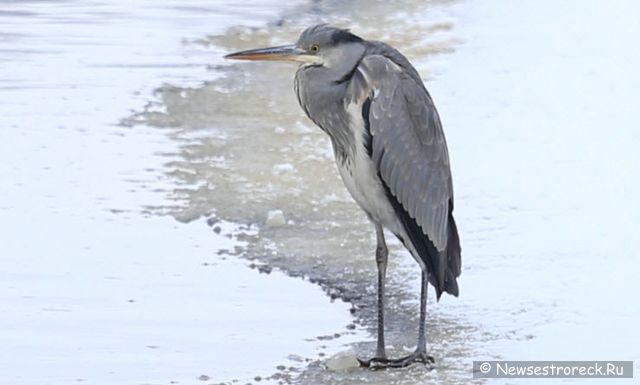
(284, 52)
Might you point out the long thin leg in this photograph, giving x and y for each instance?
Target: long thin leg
(420, 355)
(422, 329)
(382, 254)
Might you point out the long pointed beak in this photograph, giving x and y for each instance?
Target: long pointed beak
(284, 52)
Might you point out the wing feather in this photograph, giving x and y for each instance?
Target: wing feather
(409, 146)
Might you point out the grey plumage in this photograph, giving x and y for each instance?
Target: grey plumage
(389, 147)
(408, 147)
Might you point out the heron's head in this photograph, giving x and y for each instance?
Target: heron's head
(320, 45)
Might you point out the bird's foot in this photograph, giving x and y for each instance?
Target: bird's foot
(376, 363)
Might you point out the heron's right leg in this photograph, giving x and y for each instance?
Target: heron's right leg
(382, 254)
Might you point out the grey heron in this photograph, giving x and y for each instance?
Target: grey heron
(390, 151)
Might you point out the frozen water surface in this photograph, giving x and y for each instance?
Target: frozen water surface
(112, 276)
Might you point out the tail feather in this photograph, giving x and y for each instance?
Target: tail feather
(454, 258)
(443, 266)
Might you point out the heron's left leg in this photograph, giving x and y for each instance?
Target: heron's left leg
(420, 355)
(421, 350)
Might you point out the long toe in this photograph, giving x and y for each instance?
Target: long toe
(374, 363)
(413, 358)
(384, 363)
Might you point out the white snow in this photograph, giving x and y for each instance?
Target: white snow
(540, 110)
(539, 106)
(93, 287)
(275, 218)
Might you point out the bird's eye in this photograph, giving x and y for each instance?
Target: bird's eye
(314, 48)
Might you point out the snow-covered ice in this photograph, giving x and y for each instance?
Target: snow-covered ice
(111, 274)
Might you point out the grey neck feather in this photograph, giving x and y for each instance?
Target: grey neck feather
(324, 105)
